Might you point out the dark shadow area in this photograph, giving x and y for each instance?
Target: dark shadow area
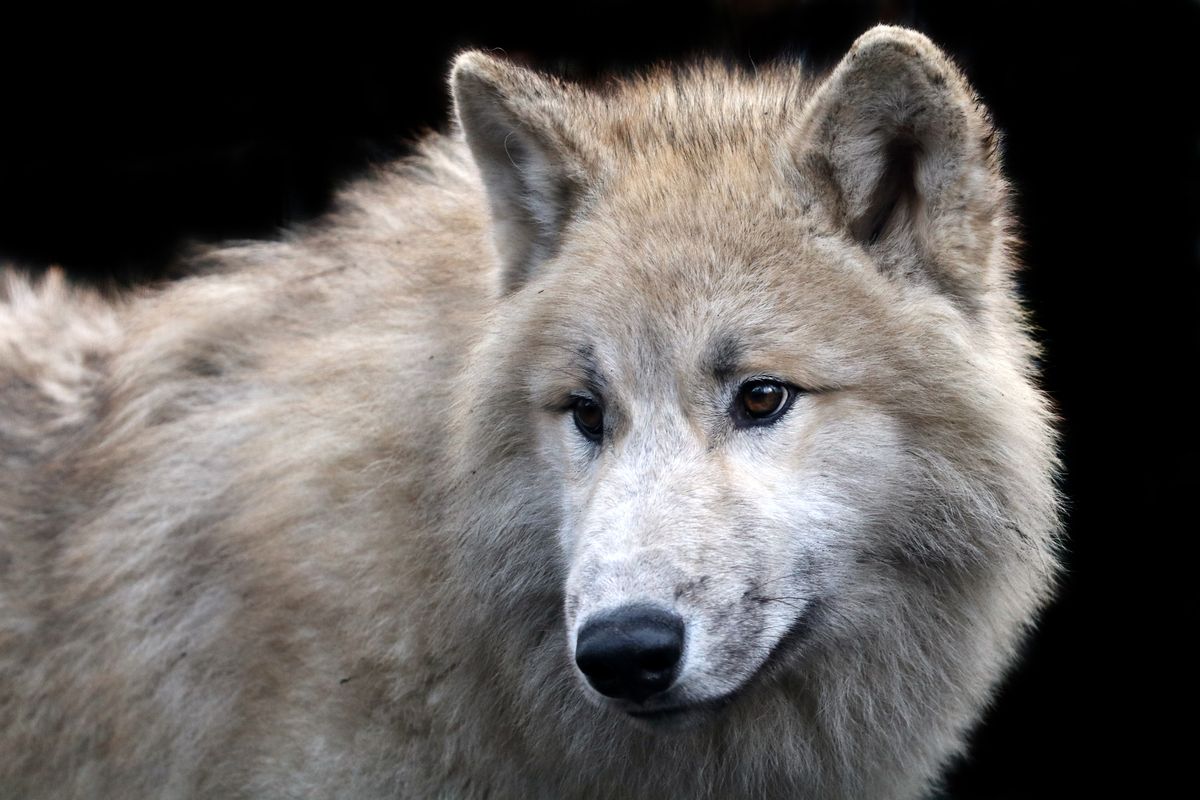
(118, 148)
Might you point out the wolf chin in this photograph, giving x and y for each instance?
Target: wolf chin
(677, 437)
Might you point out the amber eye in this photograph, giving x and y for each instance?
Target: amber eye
(761, 402)
(589, 417)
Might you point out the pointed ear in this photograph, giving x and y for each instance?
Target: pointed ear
(515, 124)
(897, 147)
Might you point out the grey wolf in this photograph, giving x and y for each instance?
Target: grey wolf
(673, 438)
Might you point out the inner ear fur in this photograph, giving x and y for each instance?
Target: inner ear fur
(901, 152)
(515, 122)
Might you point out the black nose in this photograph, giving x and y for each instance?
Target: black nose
(631, 652)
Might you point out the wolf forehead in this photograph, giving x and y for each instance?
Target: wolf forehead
(700, 300)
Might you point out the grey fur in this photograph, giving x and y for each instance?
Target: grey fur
(318, 523)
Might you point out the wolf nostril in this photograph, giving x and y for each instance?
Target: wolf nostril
(632, 652)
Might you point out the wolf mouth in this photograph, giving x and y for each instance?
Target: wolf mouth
(681, 717)
(670, 713)
(791, 640)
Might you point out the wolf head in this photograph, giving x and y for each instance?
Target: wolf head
(758, 379)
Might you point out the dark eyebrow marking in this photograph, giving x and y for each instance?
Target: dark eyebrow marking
(591, 368)
(724, 357)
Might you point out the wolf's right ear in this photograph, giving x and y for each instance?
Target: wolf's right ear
(514, 121)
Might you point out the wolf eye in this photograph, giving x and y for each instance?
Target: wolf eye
(761, 402)
(589, 417)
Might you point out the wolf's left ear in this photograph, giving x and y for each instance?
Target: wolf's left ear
(515, 123)
(897, 147)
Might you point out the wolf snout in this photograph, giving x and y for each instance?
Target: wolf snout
(632, 652)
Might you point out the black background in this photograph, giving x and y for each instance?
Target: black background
(121, 139)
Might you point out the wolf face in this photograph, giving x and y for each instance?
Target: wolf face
(721, 459)
(772, 370)
(731, 484)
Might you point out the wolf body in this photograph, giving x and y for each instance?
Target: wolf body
(334, 517)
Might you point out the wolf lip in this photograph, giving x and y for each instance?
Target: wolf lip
(662, 713)
(668, 720)
(681, 711)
